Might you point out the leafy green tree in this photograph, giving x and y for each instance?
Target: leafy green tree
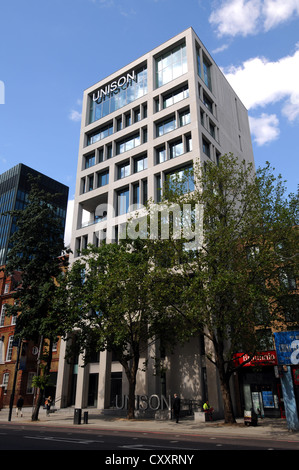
(112, 305)
(226, 281)
(35, 252)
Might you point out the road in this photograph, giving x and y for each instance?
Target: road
(114, 443)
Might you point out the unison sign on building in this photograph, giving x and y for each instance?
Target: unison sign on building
(114, 87)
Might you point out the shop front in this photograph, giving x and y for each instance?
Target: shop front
(259, 385)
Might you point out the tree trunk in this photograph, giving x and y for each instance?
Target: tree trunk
(229, 416)
(46, 371)
(131, 373)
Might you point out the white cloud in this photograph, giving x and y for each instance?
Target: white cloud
(278, 11)
(75, 115)
(244, 17)
(264, 129)
(259, 82)
(236, 17)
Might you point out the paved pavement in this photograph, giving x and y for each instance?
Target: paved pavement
(266, 429)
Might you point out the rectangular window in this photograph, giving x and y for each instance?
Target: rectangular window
(100, 134)
(171, 65)
(140, 164)
(136, 196)
(90, 160)
(103, 178)
(184, 118)
(207, 73)
(185, 175)
(144, 192)
(176, 148)
(2, 315)
(165, 126)
(90, 183)
(9, 349)
(160, 155)
(175, 96)
(123, 170)
(5, 381)
(128, 144)
(123, 201)
(208, 103)
(158, 188)
(206, 147)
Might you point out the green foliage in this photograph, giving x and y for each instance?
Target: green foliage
(34, 255)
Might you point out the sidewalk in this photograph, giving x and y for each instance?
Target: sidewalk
(266, 429)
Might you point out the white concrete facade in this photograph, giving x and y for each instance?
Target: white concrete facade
(181, 110)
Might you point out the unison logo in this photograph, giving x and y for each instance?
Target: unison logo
(114, 87)
(2, 92)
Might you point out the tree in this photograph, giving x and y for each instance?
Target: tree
(112, 305)
(246, 236)
(35, 252)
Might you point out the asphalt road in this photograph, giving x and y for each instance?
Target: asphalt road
(113, 444)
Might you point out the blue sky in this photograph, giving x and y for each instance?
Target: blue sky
(51, 50)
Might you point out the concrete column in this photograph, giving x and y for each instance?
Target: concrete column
(104, 380)
(82, 384)
(63, 378)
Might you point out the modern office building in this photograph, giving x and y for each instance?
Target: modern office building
(147, 121)
(14, 189)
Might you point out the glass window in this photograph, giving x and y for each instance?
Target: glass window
(2, 316)
(121, 96)
(184, 174)
(136, 196)
(206, 147)
(171, 65)
(103, 178)
(176, 149)
(9, 349)
(140, 164)
(123, 170)
(184, 118)
(207, 73)
(123, 201)
(127, 144)
(90, 161)
(100, 134)
(175, 96)
(160, 155)
(165, 126)
(208, 103)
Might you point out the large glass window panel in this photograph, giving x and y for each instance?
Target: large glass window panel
(122, 96)
(123, 201)
(176, 149)
(171, 65)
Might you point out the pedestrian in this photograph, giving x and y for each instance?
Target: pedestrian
(176, 406)
(48, 403)
(208, 409)
(20, 404)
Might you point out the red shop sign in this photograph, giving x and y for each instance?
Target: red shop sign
(267, 358)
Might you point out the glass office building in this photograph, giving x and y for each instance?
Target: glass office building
(14, 189)
(144, 124)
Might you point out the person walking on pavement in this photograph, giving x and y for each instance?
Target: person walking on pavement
(207, 409)
(48, 403)
(176, 406)
(20, 404)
